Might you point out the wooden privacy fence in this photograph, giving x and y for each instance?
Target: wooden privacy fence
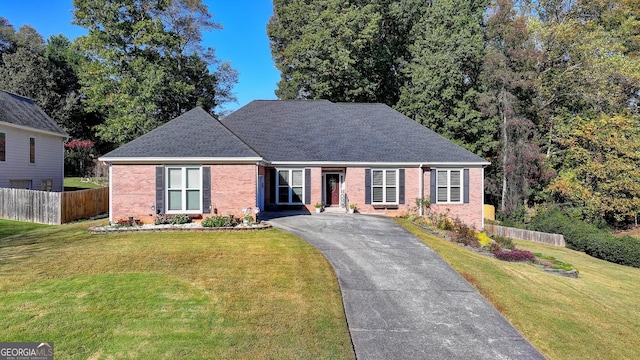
(545, 238)
(52, 207)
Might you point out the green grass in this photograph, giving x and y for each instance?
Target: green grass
(10, 227)
(74, 184)
(593, 317)
(166, 295)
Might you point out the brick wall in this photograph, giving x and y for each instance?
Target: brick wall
(133, 190)
(471, 213)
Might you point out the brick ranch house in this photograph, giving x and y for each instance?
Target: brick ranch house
(275, 154)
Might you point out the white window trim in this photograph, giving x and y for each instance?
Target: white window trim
(290, 188)
(183, 190)
(384, 187)
(449, 171)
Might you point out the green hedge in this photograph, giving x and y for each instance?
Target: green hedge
(588, 238)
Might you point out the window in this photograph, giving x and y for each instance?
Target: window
(3, 147)
(20, 184)
(45, 185)
(184, 189)
(384, 186)
(32, 150)
(290, 186)
(449, 186)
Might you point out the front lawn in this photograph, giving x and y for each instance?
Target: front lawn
(593, 317)
(251, 295)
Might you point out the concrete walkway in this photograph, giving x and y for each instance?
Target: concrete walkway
(402, 301)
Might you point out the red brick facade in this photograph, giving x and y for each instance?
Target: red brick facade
(133, 191)
(234, 187)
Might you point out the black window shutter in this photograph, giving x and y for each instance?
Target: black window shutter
(432, 190)
(465, 185)
(307, 186)
(272, 186)
(367, 186)
(206, 190)
(159, 189)
(401, 186)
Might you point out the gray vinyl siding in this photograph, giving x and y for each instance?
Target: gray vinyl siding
(49, 158)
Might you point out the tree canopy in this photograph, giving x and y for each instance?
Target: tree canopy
(517, 82)
(143, 63)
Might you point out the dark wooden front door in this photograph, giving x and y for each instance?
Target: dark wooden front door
(332, 189)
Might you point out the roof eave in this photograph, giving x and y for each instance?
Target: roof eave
(180, 160)
(380, 163)
(32, 129)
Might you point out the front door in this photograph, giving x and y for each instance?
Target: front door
(332, 189)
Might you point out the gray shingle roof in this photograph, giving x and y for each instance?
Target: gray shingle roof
(194, 134)
(22, 111)
(322, 131)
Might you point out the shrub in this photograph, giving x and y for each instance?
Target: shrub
(128, 222)
(505, 242)
(441, 220)
(464, 234)
(161, 219)
(164, 219)
(514, 255)
(179, 219)
(496, 247)
(588, 238)
(218, 221)
(483, 239)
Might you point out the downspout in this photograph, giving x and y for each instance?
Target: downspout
(421, 190)
(482, 202)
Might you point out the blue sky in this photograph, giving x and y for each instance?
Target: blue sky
(243, 41)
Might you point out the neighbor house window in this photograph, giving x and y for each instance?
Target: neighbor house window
(32, 150)
(184, 190)
(449, 186)
(3, 146)
(45, 185)
(384, 186)
(290, 185)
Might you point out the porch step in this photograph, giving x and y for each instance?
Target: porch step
(335, 209)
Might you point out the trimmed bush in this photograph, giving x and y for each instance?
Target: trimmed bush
(588, 238)
(164, 219)
(218, 221)
(179, 219)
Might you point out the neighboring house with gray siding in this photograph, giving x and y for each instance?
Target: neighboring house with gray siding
(279, 155)
(31, 146)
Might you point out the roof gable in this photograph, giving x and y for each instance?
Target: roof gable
(322, 131)
(194, 134)
(23, 112)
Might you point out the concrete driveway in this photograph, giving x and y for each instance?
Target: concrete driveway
(402, 301)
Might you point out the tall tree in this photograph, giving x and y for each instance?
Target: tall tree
(341, 50)
(7, 38)
(589, 77)
(25, 70)
(144, 63)
(509, 77)
(443, 76)
(64, 60)
(599, 172)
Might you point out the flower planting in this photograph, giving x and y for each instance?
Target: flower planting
(502, 248)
